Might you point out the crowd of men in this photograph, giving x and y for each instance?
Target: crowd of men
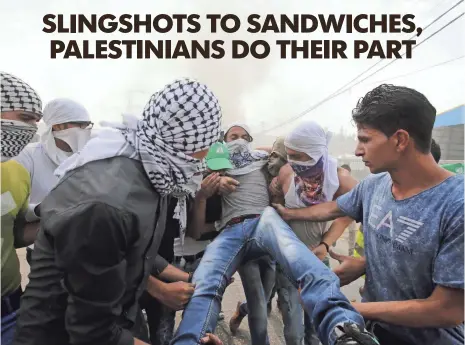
(127, 225)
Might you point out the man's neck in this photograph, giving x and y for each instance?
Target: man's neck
(418, 174)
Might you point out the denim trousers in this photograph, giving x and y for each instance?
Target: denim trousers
(8, 328)
(297, 324)
(258, 278)
(268, 235)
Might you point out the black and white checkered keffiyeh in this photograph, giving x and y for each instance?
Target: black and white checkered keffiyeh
(183, 118)
(15, 135)
(16, 95)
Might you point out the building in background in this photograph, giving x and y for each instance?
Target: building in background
(448, 132)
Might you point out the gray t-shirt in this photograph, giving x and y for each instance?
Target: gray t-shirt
(411, 246)
(250, 197)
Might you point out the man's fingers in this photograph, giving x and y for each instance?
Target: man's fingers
(211, 339)
(233, 182)
(336, 256)
(190, 289)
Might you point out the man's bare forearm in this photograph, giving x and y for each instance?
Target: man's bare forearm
(173, 274)
(25, 233)
(336, 230)
(418, 313)
(317, 213)
(197, 225)
(155, 287)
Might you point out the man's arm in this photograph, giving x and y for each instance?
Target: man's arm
(349, 203)
(174, 295)
(197, 223)
(346, 183)
(91, 243)
(317, 213)
(336, 230)
(444, 308)
(173, 274)
(277, 184)
(24, 233)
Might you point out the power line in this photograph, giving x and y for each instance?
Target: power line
(345, 89)
(382, 60)
(416, 46)
(420, 70)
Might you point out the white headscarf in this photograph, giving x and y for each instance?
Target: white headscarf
(310, 138)
(56, 112)
(238, 124)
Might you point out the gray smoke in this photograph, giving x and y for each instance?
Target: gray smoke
(229, 79)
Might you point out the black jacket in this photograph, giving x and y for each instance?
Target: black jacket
(100, 232)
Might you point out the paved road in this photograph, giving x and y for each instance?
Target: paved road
(234, 293)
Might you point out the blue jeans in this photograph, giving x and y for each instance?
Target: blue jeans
(8, 328)
(253, 238)
(257, 292)
(294, 330)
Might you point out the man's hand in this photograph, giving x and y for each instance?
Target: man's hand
(211, 339)
(320, 251)
(227, 185)
(276, 190)
(210, 185)
(176, 295)
(283, 212)
(350, 268)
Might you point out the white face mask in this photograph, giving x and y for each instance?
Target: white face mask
(76, 138)
(239, 145)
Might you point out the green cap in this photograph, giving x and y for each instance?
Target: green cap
(218, 157)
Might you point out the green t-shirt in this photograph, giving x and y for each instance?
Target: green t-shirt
(456, 168)
(16, 185)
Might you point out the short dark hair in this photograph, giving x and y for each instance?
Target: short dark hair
(435, 150)
(347, 167)
(388, 108)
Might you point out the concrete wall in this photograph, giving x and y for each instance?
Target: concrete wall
(450, 139)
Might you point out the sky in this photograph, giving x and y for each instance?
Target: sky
(264, 93)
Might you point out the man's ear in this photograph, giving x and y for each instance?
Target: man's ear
(402, 140)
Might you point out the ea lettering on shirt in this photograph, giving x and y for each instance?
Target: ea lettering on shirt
(381, 221)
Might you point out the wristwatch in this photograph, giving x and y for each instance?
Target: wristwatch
(325, 244)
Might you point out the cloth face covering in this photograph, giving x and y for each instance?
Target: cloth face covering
(76, 138)
(309, 177)
(316, 180)
(244, 159)
(60, 111)
(183, 118)
(15, 135)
